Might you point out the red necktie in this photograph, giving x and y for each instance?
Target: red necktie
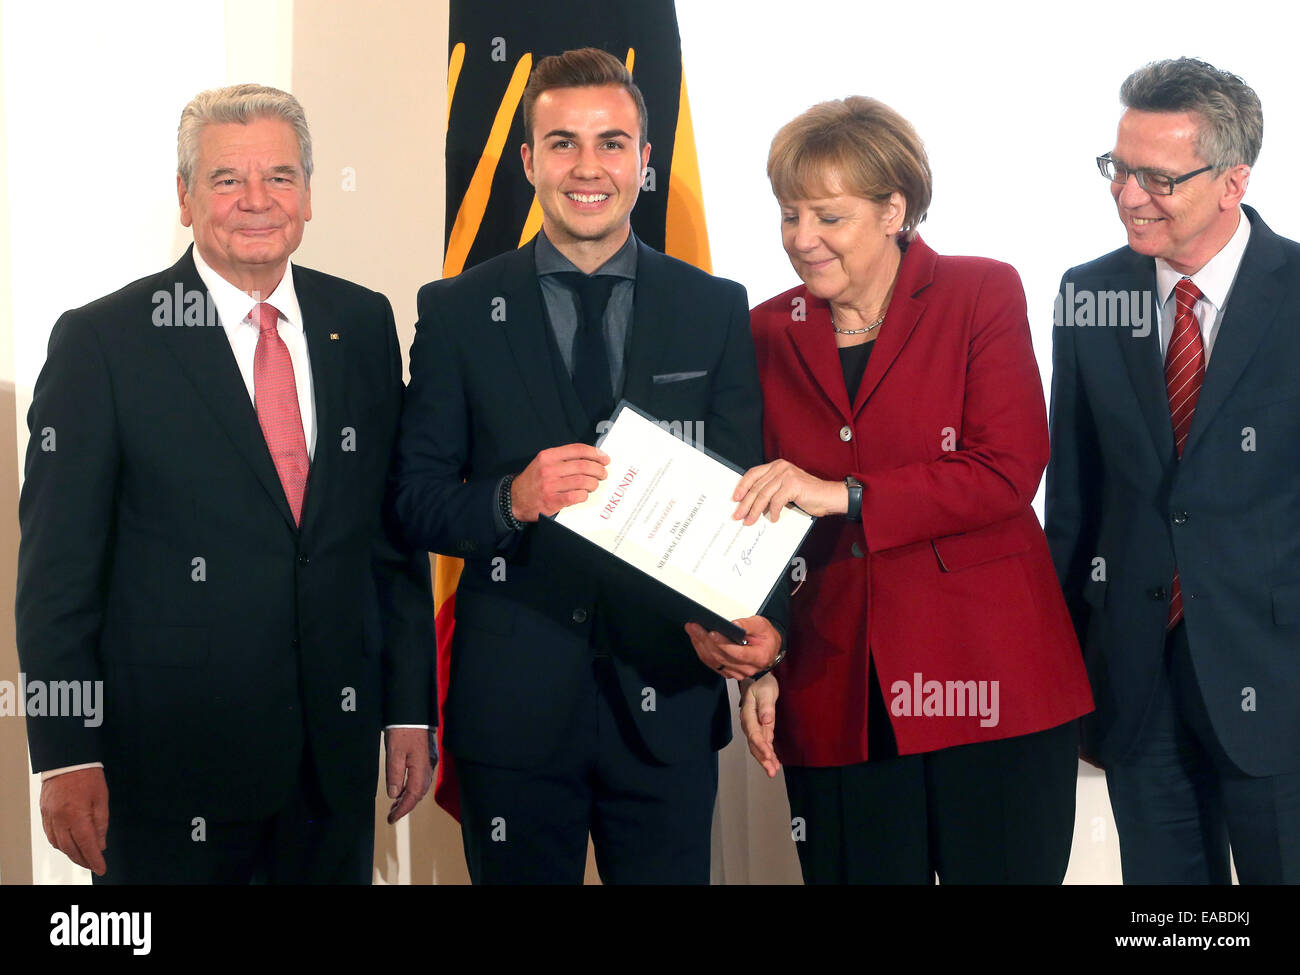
(1184, 373)
(276, 396)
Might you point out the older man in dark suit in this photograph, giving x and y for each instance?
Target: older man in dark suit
(203, 533)
(1173, 508)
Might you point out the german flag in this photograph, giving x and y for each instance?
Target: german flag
(491, 207)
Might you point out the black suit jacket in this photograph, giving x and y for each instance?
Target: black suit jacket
(1227, 514)
(485, 397)
(217, 673)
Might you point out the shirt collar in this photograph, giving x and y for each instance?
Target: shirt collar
(1216, 277)
(234, 305)
(622, 264)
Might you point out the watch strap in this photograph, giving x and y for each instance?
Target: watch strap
(854, 512)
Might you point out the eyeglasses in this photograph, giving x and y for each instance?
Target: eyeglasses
(1157, 184)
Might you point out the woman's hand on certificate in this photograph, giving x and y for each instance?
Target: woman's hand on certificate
(758, 720)
(735, 659)
(768, 488)
(557, 478)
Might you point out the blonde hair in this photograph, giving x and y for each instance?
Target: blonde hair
(862, 143)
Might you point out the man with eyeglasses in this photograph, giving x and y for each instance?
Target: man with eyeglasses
(1173, 508)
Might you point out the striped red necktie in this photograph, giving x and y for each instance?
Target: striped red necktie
(1184, 373)
(276, 396)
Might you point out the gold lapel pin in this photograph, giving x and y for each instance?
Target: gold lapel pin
(334, 336)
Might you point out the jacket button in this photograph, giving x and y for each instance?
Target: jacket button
(465, 545)
(857, 551)
(303, 560)
(846, 433)
(1158, 593)
(579, 615)
(1180, 517)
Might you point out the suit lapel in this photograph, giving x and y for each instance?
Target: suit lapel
(1141, 353)
(329, 384)
(814, 340)
(814, 345)
(653, 325)
(1257, 294)
(526, 330)
(914, 275)
(204, 355)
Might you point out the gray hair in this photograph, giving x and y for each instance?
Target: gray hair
(239, 104)
(1232, 119)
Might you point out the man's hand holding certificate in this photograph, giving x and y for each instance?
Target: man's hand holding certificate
(557, 477)
(666, 508)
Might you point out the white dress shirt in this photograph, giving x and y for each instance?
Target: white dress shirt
(234, 306)
(1215, 281)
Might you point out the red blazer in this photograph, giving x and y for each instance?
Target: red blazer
(948, 576)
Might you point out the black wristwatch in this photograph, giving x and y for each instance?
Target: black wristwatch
(506, 505)
(855, 499)
(763, 673)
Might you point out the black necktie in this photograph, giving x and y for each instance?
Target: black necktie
(591, 377)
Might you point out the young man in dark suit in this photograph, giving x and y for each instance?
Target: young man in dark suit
(572, 707)
(203, 532)
(1172, 507)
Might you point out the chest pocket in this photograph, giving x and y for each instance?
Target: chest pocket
(678, 399)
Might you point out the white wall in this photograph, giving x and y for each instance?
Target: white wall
(93, 99)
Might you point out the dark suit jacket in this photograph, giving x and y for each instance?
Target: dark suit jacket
(217, 674)
(1227, 514)
(485, 397)
(948, 576)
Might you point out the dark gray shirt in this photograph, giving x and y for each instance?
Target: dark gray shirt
(562, 303)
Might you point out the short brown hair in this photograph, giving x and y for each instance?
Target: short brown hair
(871, 149)
(581, 68)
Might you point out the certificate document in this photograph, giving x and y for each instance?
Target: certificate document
(665, 508)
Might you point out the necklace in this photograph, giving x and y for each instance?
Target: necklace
(857, 331)
(884, 308)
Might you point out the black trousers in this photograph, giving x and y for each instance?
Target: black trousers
(304, 842)
(650, 823)
(1180, 803)
(996, 812)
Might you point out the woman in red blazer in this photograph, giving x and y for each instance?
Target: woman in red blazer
(926, 706)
